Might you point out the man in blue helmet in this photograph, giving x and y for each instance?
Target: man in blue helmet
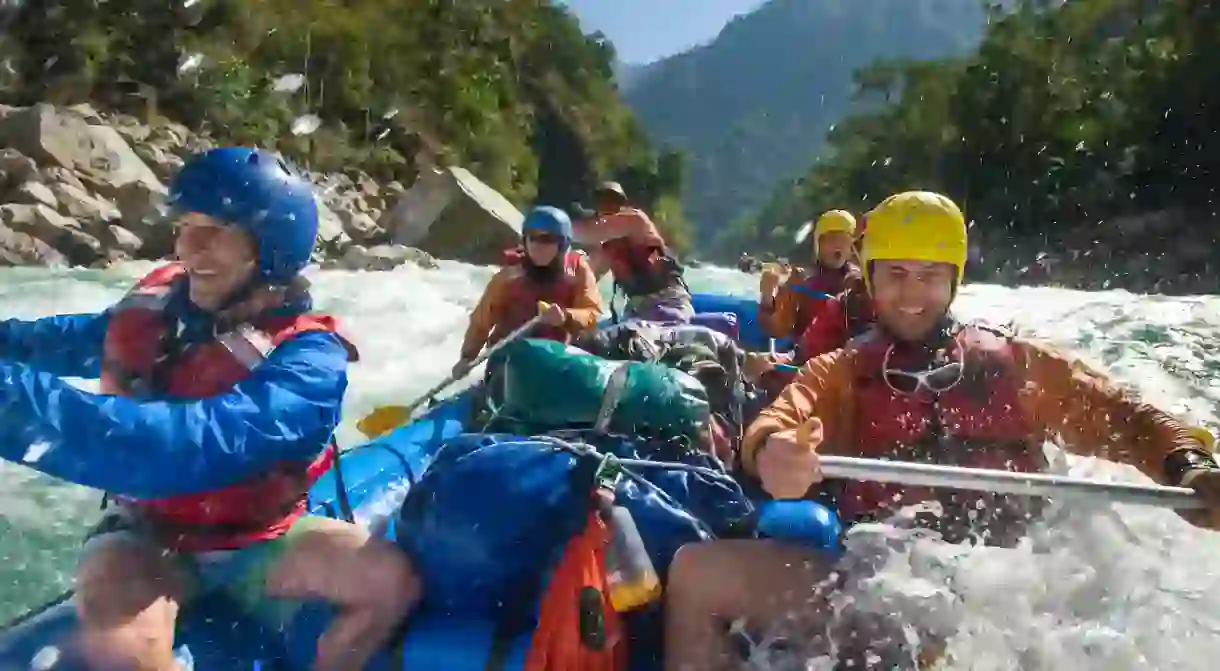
(220, 395)
(542, 270)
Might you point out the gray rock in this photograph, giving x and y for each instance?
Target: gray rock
(53, 138)
(382, 257)
(124, 240)
(80, 204)
(452, 214)
(330, 229)
(21, 249)
(360, 227)
(33, 193)
(55, 173)
(144, 213)
(62, 233)
(16, 167)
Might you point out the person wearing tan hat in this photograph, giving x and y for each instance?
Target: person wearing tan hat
(627, 244)
(921, 387)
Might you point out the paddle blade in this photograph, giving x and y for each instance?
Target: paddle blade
(383, 420)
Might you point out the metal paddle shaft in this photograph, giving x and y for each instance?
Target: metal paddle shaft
(487, 353)
(1004, 482)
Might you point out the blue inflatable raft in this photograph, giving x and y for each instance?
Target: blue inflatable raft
(373, 479)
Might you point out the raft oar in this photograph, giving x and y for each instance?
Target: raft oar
(1005, 482)
(389, 417)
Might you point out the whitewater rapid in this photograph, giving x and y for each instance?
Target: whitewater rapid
(1105, 588)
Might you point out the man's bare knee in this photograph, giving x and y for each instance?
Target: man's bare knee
(342, 564)
(122, 578)
(127, 598)
(747, 577)
(369, 580)
(390, 584)
(692, 565)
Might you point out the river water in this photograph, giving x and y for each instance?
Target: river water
(1106, 588)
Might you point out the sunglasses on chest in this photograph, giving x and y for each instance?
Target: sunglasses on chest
(936, 379)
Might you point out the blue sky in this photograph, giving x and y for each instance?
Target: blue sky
(647, 30)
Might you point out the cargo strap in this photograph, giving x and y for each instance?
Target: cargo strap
(615, 387)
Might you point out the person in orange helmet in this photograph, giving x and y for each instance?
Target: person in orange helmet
(628, 244)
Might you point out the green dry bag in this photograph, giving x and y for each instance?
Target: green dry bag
(548, 385)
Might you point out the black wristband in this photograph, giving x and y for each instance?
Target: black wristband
(1180, 462)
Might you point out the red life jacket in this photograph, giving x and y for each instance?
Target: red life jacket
(979, 423)
(641, 269)
(523, 295)
(858, 311)
(237, 515)
(826, 281)
(840, 319)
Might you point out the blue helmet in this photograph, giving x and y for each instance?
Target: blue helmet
(550, 220)
(256, 191)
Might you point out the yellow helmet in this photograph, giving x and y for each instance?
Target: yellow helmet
(833, 221)
(915, 226)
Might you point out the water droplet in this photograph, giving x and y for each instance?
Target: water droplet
(305, 125)
(45, 659)
(289, 83)
(189, 62)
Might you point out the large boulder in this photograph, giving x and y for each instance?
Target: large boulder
(120, 243)
(33, 193)
(16, 168)
(66, 140)
(22, 249)
(80, 204)
(62, 233)
(360, 227)
(145, 213)
(452, 214)
(330, 228)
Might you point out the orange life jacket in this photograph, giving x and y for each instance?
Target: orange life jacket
(137, 362)
(523, 295)
(978, 423)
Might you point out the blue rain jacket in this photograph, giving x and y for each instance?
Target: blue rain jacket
(286, 410)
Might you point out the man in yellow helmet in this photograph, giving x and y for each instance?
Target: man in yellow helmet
(788, 312)
(923, 387)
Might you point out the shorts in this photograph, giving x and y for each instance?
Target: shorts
(239, 575)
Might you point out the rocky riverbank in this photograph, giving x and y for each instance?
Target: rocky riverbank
(82, 188)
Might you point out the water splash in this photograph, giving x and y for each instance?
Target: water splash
(306, 124)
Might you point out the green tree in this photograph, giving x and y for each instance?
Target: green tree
(512, 90)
